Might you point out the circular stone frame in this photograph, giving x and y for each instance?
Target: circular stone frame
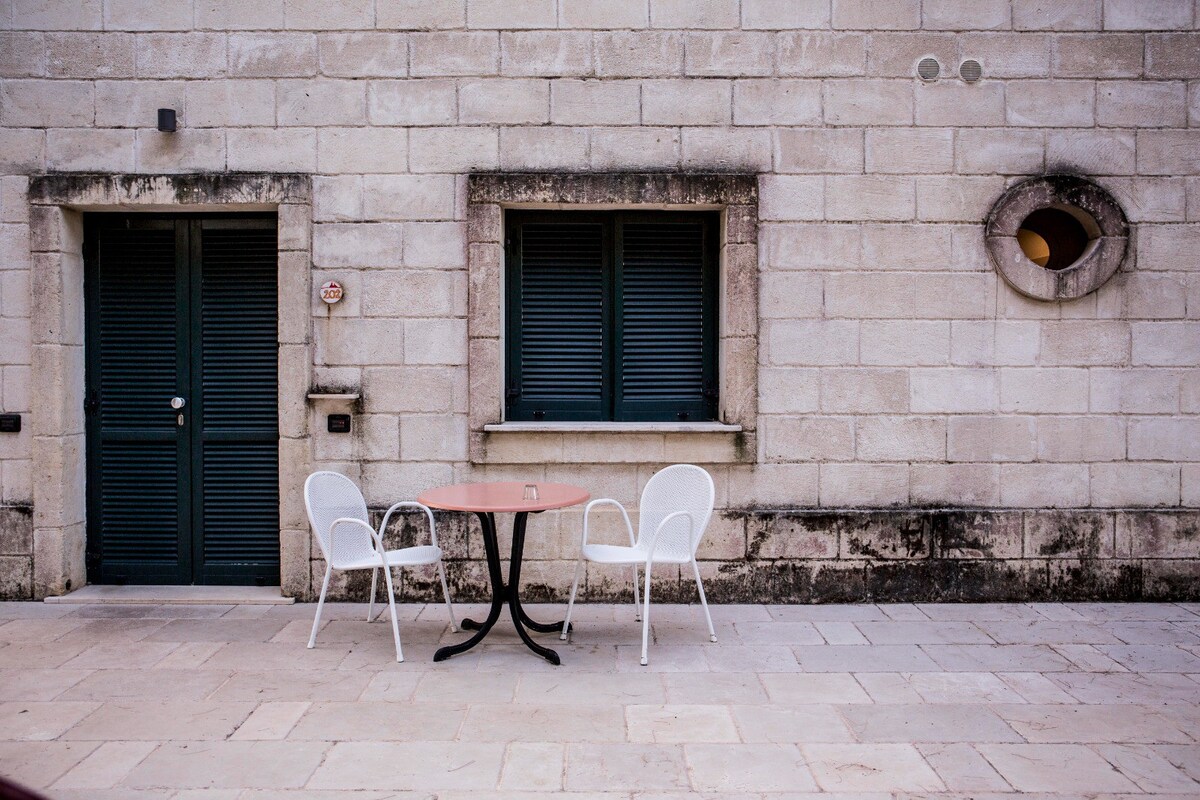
(1100, 214)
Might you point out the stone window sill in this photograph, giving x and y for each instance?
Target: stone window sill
(613, 442)
(612, 427)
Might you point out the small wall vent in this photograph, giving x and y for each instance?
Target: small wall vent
(970, 70)
(928, 69)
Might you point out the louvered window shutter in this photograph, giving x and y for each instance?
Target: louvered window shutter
(665, 316)
(557, 319)
(611, 316)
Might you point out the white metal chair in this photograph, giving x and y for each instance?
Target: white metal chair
(338, 515)
(675, 508)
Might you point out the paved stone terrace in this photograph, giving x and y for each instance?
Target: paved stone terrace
(865, 701)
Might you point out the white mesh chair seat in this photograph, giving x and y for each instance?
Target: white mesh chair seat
(406, 557)
(675, 508)
(616, 554)
(338, 515)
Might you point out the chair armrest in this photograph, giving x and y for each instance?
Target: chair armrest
(409, 504)
(610, 502)
(353, 521)
(654, 537)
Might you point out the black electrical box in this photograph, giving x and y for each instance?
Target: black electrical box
(10, 423)
(339, 423)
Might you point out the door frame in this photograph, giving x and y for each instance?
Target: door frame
(190, 566)
(58, 202)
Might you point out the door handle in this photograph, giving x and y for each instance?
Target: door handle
(178, 403)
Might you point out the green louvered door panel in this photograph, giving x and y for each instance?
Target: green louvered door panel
(666, 319)
(182, 307)
(137, 356)
(235, 435)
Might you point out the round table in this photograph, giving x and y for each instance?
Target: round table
(485, 500)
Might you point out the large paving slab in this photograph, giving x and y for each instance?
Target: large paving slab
(868, 702)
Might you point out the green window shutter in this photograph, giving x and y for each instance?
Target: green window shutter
(611, 316)
(666, 337)
(237, 393)
(557, 317)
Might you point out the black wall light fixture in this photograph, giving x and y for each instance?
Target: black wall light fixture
(166, 120)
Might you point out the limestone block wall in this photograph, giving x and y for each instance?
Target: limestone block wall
(895, 370)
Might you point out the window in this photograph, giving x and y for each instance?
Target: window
(611, 316)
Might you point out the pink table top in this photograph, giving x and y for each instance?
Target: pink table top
(502, 496)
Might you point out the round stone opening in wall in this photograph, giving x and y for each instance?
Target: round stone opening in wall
(1053, 238)
(1056, 237)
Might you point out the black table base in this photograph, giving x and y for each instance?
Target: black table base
(502, 594)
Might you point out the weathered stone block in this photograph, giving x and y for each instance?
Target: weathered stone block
(1044, 485)
(1133, 15)
(686, 102)
(859, 485)
(1099, 55)
(793, 535)
(1058, 16)
(726, 149)
(91, 150)
(870, 198)
(900, 439)
(1124, 485)
(634, 148)
(956, 104)
(809, 438)
(783, 14)
(1165, 343)
(694, 13)
(817, 149)
(977, 534)
(1158, 534)
(929, 150)
(822, 54)
(421, 14)
(955, 484)
(816, 342)
(181, 55)
(545, 54)
(886, 536)
(1069, 534)
(456, 53)
(504, 100)
(741, 53)
(1061, 391)
(16, 578)
(1009, 55)
(1091, 152)
(621, 54)
(790, 197)
(271, 149)
(42, 104)
(865, 15)
(991, 439)
(868, 101)
(412, 102)
(453, 149)
(238, 16)
(380, 150)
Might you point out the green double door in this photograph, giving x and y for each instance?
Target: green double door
(182, 399)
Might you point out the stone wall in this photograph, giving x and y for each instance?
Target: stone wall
(896, 370)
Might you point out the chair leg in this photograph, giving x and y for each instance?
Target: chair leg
(446, 594)
(637, 606)
(571, 601)
(712, 635)
(387, 577)
(312, 639)
(646, 619)
(371, 599)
